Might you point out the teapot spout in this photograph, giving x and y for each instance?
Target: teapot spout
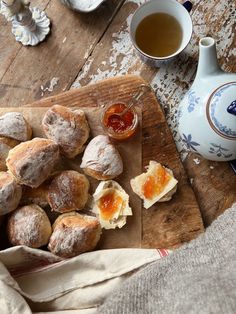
(208, 63)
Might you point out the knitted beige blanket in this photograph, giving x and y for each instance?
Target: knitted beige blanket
(200, 277)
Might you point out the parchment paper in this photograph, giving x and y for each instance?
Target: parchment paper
(131, 152)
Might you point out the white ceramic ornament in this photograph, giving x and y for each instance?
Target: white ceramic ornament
(30, 26)
(84, 6)
(207, 114)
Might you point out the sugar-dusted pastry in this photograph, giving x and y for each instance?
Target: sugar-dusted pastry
(6, 144)
(156, 185)
(68, 191)
(30, 226)
(111, 205)
(68, 128)
(10, 193)
(101, 159)
(14, 125)
(36, 196)
(74, 234)
(31, 162)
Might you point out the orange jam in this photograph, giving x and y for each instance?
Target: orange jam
(156, 183)
(119, 127)
(109, 204)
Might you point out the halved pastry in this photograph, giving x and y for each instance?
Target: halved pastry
(111, 205)
(156, 185)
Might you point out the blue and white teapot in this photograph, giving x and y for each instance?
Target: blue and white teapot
(207, 114)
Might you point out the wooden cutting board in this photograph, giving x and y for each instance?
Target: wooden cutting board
(165, 225)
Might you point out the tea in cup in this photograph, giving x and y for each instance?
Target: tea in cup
(161, 29)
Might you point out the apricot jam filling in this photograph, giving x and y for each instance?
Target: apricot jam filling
(155, 183)
(109, 204)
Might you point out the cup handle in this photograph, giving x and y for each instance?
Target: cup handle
(188, 5)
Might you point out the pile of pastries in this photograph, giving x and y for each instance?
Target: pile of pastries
(30, 183)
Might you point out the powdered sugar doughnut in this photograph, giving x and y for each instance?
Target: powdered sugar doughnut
(30, 226)
(74, 234)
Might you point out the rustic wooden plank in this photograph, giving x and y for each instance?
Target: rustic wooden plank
(169, 224)
(217, 181)
(9, 47)
(53, 65)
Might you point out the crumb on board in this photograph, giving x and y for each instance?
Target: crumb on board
(197, 161)
(64, 40)
(191, 180)
(211, 167)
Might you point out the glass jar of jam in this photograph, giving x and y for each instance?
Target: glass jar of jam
(120, 120)
(119, 126)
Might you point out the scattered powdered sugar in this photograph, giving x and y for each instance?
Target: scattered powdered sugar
(13, 125)
(100, 155)
(27, 227)
(71, 235)
(68, 129)
(34, 166)
(65, 241)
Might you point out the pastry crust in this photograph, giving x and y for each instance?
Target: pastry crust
(101, 159)
(6, 144)
(14, 125)
(30, 226)
(74, 234)
(68, 191)
(36, 196)
(32, 162)
(68, 128)
(10, 193)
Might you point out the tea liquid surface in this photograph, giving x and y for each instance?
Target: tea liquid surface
(159, 35)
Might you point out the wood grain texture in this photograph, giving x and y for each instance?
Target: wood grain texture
(214, 184)
(166, 225)
(73, 37)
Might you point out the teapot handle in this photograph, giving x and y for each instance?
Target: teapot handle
(233, 165)
(188, 5)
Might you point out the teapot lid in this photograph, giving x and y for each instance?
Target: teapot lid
(221, 110)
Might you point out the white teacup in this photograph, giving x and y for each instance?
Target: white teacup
(172, 7)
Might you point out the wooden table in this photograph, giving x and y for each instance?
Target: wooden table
(85, 48)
